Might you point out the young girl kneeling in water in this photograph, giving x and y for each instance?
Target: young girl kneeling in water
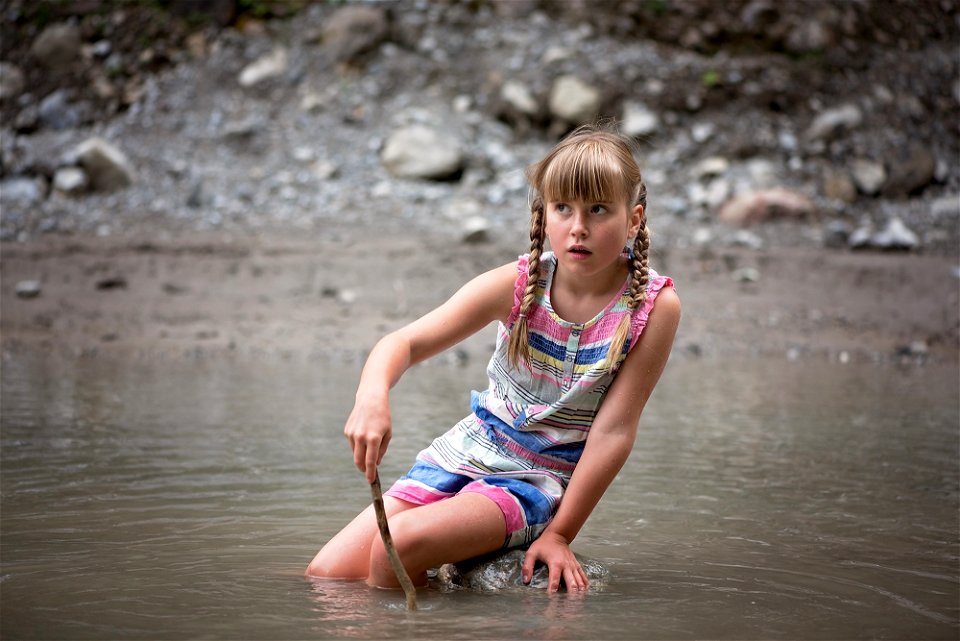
(584, 334)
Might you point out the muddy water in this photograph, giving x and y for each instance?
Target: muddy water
(763, 500)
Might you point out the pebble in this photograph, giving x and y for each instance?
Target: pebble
(476, 230)
(267, 67)
(11, 81)
(896, 235)
(106, 166)
(28, 289)
(22, 190)
(70, 180)
(746, 275)
(830, 122)
(946, 207)
(837, 185)
(868, 176)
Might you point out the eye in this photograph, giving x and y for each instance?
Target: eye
(599, 209)
(562, 208)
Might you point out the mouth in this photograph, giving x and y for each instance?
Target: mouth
(579, 250)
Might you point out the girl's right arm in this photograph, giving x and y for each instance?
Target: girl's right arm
(486, 298)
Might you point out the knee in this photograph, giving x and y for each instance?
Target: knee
(336, 564)
(407, 545)
(319, 567)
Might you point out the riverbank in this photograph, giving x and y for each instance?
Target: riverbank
(297, 296)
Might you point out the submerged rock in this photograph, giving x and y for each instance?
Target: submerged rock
(503, 571)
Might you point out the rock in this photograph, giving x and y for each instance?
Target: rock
(112, 282)
(836, 234)
(58, 47)
(353, 31)
(573, 100)
(503, 571)
(712, 166)
(57, 112)
(711, 195)
(810, 34)
(828, 124)
(744, 238)
(22, 191)
(910, 170)
(518, 97)
(746, 275)
(763, 205)
(946, 207)
(267, 67)
(11, 81)
(639, 121)
(702, 132)
(862, 236)
(868, 176)
(70, 180)
(419, 151)
(313, 102)
(896, 235)
(243, 131)
(28, 118)
(476, 230)
(106, 166)
(837, 185)
(28, 289)
(915, 350)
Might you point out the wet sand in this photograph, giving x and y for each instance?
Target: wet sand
(294, 297)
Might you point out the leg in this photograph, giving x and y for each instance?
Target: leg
(447, 531)
(347, 555)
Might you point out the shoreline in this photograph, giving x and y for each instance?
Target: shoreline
(298, 296)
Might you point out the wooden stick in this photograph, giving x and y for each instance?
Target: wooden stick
(398, 569)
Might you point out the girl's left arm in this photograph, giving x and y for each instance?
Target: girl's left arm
(608, 446)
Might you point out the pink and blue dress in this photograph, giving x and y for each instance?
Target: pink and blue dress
(527, 430)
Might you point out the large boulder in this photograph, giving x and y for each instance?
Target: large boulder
(419, 151)
(57, 47)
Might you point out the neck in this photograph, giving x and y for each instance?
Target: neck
(602, 284)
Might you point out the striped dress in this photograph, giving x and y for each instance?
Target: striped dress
(527, 430)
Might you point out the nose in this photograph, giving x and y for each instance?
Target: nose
(578, 226)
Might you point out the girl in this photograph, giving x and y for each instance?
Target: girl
(584, 334)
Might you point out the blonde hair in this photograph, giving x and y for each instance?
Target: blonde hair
(590, 164)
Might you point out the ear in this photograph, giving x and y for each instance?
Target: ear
(637, 220)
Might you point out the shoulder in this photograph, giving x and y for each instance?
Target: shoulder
(667, 304)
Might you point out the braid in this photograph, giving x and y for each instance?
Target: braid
(640, 270)
(519, 349)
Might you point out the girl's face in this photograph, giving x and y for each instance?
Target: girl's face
(588, 237)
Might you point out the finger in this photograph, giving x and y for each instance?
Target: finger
(526, 571)
(553, 584)
(579, 581)
(359, 454)
(371, 460)
(383, 448)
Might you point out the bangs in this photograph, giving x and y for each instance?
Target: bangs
(585, 172)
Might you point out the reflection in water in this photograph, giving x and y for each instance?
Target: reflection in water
(172, 500)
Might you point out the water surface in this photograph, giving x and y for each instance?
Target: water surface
(164, 500)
